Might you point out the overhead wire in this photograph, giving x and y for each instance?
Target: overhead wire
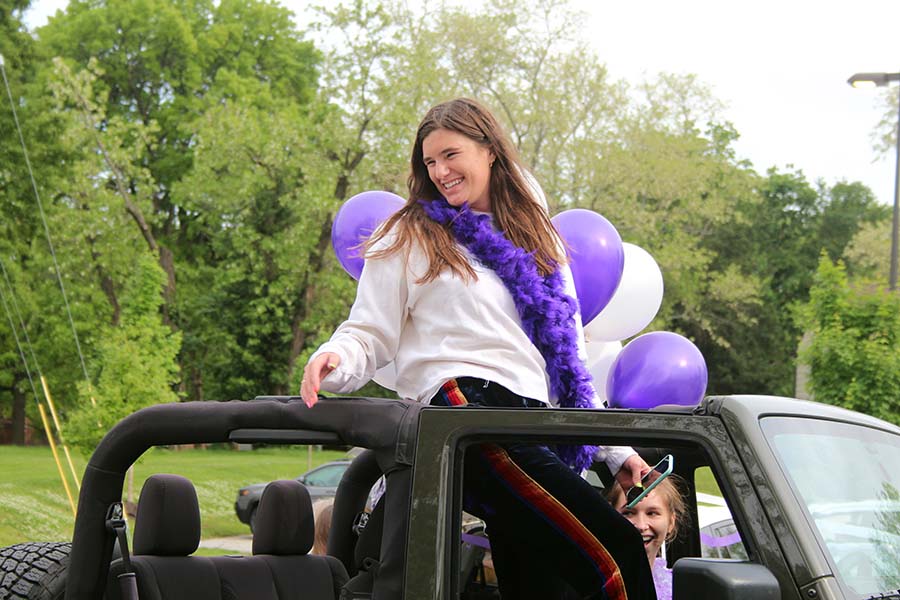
(15, 333)
(12, 295)
(40, 205)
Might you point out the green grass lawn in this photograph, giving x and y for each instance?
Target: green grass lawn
(34, 506)
(706, 482)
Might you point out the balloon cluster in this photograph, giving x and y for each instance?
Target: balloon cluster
(619, 288)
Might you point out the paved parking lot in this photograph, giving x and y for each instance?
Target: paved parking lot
(239, 544)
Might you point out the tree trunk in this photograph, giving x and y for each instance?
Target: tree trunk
(167, 262)
(106, 284)
(18, 417)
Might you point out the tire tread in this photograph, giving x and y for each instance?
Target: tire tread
(34, 570)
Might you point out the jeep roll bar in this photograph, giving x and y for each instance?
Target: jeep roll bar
(388, 427)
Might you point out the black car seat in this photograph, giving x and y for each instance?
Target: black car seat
(166, 533)
(284, 534)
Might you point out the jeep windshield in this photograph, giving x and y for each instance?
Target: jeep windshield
(847, 478)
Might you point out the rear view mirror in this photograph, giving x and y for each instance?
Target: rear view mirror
(695, 578)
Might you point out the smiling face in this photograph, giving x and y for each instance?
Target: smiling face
(653, 519)
(459, 167)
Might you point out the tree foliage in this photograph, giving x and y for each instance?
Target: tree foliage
(217, 140)
(867, 256)
(138, 358)
(855, 350)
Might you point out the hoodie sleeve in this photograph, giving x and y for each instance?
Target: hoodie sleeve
(368, 339)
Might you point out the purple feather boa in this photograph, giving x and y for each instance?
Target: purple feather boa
(547, 312)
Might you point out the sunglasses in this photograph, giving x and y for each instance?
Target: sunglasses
(634, 493)
(652, 479)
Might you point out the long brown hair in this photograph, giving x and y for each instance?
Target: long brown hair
(515, 210)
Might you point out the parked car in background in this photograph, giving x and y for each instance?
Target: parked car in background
(321, 482)
(719, 537)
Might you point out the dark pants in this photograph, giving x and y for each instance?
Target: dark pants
(551, 532)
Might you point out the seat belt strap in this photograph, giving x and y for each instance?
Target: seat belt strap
(115, 523)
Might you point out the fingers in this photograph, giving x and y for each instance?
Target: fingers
(316, 370)
(308, 392)
(631, 472)
(635, 477)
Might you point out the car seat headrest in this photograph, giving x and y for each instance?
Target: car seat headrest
(284, 519)
(168, 517)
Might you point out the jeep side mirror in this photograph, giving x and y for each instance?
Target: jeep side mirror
(722, 579)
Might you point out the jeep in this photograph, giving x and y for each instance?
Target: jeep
(811, 491)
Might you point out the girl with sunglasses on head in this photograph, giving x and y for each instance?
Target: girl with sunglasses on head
(657, 517)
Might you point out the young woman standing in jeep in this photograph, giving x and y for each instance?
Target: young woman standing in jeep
(467, 291)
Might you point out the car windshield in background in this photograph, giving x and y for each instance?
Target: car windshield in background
(848, 479)
(326, 476)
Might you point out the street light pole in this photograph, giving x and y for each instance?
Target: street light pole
(896, 226)
(882, 80)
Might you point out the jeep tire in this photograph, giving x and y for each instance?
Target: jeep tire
(34, 571)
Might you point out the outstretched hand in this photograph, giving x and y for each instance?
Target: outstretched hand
(631, 472)
(316, 370)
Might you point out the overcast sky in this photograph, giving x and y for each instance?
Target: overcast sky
(780, 66)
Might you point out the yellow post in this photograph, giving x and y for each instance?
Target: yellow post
(93, 401)
(62, 474)
(59, 431)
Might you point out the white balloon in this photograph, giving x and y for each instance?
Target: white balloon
(636, 301)
(600, 358)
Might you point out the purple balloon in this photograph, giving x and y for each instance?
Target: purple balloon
(596, 258)
(354, 223)
(657, 368)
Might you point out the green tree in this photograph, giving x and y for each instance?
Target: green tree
(867, 256)
(160, 64)
(776, 237)
(138, 358)
(25, 110)
(15, 48)
(155, 71)
(264, 186)
(213, 137)
(656, 160)
(846, 208)
(855, 350)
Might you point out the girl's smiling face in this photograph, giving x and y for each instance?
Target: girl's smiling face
(459, 167)
(653, 519)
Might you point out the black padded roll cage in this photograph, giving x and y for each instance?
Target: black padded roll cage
(387, 427)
